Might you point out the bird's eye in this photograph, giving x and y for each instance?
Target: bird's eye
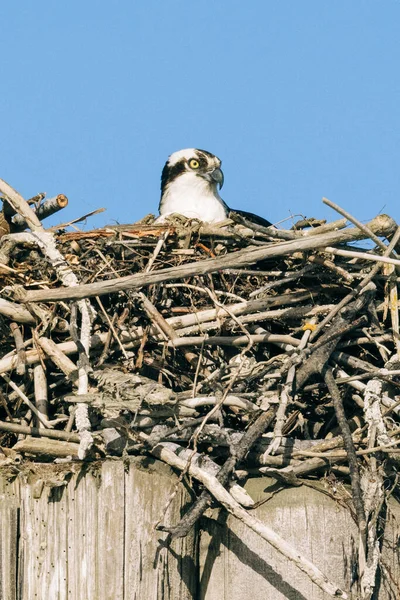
(193, 163)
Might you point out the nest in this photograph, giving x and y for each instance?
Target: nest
(235, 348)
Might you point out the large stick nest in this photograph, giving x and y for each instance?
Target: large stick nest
(192, 355)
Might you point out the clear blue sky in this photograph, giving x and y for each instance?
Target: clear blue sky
(299, 99)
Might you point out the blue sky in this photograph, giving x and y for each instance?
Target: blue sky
(300, 100)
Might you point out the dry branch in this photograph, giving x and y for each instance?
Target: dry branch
(46, 209)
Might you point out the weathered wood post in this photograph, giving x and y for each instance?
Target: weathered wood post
(90, 535)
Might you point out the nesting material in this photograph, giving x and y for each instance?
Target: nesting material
(264, 350)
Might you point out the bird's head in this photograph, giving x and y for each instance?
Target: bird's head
(192, 163)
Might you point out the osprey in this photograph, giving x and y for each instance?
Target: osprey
(189, 186)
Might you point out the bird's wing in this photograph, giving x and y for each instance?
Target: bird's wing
(253, 218)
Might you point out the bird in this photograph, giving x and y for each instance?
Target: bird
(189, 186)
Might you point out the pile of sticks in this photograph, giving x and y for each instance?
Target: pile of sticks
(223, 350)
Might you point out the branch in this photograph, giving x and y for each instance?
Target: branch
(46, 209)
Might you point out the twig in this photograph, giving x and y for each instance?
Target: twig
(329, 340)
(233, 340)
(161, 241)
(112, 328)
(16, 312)
(354, 468)
(79, 220)
(82, 420)
(364, 228)
(40, 385)
(25, 399)
(47, 447)
(329, 264)
(54, 352)
(165, 327)
(286, 395)
(40, 432)
(19, 346)
(364, 255)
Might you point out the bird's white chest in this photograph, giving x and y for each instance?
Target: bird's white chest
(193, 197)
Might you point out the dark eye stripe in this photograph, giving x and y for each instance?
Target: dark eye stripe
(170, 173)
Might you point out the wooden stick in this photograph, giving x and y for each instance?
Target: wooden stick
(329, 340)
(364, 255)
(360, 387)
(232, 340)
(269, 230)
(40, 432)
(238, 453)
(351, 453)
(364, 228)
(166, 328)
(161, 241)
(333, 225)
(16, 312)
(78, 220)
(329, 264)
(20, 348)
(9, 242)
(40, 385)
(20, 206)
(54, 352)
(46, 447)
(10, 211)
(112, 328)
(230, 400)
(286, 395)
(25, 399)
(46, 209)
(82, 341)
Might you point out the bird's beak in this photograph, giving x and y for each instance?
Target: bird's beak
(218, 176)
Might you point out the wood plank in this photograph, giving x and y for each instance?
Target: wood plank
(390, 585)
(9, 516)
(42, 548)
(151, 569)
(82, 534)
(110, 527)
(32, 540)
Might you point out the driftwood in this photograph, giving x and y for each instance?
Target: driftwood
(255, 349)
